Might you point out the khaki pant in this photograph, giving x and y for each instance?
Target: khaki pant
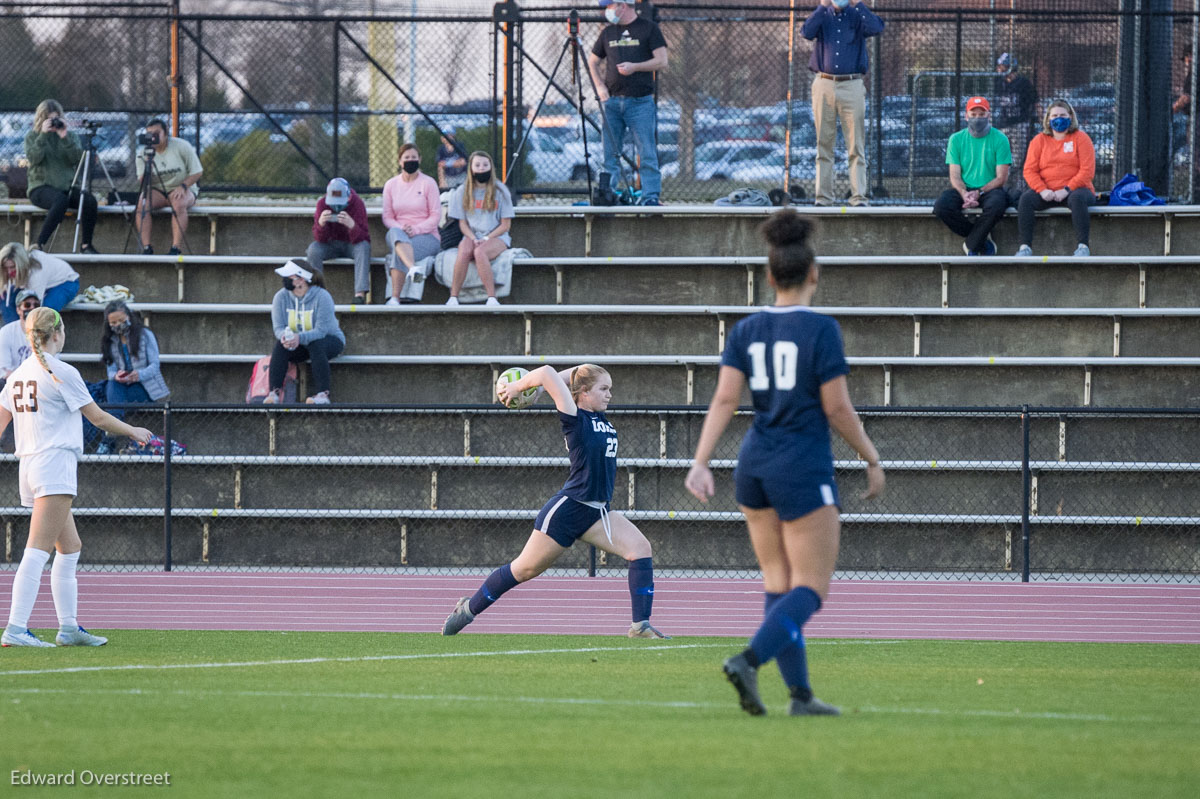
(845, 100)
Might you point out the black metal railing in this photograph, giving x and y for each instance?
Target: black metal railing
(278, 105)
(994, 494)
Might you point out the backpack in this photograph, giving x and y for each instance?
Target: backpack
(1131, 191)
(260, 382)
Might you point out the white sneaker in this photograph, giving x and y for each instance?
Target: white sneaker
(14, 637)
(492, 301)
(274, 397)
(452, 301)
(392, 301)
(1083, 251)
(79, 637)
(321, 398)
(1024, 251)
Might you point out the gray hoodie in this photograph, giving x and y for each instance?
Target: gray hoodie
(311, 315)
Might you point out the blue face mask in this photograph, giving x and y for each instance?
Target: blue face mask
(1060, 124)
(979, 125)
(841, 3)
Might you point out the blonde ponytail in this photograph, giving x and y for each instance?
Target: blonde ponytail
(40, 326)
(583, 377)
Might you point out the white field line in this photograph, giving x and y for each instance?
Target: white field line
(577, 701)
(416, 656)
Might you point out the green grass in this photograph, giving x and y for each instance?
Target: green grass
(389, 715)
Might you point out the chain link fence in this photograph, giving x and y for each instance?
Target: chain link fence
(280, 105)
(991, 495)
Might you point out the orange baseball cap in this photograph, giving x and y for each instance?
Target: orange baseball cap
(979, 102)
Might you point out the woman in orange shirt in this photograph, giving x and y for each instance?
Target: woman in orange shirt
(1059, 167)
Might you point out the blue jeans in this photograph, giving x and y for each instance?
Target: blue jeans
(639, 116)
(56, 297)
(121, 392)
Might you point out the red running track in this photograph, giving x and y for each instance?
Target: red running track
(581, 605)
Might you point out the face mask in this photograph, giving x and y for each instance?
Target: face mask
(1060, 124)
(287, 284)
(410, 166)
(614, 16)
(121, 328)
(841, 3)
(482, 177)
(979, 125)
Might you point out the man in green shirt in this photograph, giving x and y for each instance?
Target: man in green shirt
(979, 158)
(173, 180)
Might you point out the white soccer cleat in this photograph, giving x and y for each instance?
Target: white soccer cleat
(14, 637)
(461, 617)
(79, 637)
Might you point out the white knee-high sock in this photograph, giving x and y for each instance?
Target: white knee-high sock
(65, 589)
(25, 587)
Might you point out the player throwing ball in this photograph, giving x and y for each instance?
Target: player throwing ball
(796, 368)
(44, 397)
(580, 509)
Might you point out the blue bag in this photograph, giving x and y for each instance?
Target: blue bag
(1131, 191)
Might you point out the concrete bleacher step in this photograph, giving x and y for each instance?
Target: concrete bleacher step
(722, 278)
(673, 230)
(670, 329)
(684, 379)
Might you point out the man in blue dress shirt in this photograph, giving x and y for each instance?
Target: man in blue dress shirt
(840, 29)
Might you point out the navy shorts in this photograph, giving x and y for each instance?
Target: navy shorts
(791, 495)
(565, 520)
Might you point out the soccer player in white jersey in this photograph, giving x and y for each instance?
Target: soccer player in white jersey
(44, 398)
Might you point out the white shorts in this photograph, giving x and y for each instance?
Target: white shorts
(47, 473)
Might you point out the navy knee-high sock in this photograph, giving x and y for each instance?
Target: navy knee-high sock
(792, 659)
(493, 588)
(783, 624)
(641, 587)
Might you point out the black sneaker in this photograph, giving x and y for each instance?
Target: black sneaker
(174, 251)
(744, 678)
(89, 249)
(360, 299)
(147, 250)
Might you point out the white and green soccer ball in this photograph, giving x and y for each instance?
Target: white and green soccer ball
(526, 397)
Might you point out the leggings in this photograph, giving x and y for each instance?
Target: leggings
(319, 351)
(56, 202)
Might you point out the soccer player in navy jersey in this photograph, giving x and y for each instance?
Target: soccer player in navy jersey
(794, 363)
(580, 509)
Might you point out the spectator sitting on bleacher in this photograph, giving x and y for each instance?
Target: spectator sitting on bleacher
(340, 231)
(979, 160)
(52, 279)
(174, 180)
(306, 329)
(54, 155)
(130, 355)
(1058, 169)
(484, 210)
(412, 208)
(14, 344)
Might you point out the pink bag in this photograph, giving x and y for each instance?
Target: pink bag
(260, 382)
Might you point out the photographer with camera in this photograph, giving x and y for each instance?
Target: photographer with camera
(175, 171)
(340, 231)
(53, 154)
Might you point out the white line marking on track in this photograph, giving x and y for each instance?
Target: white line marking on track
(1015, 713)
(414, 656)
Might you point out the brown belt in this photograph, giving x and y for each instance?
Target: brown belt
(852, 76)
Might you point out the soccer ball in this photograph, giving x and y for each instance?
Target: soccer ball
(526, 397)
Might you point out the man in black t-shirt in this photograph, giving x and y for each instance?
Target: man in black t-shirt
(1016, 100)
(632, 49)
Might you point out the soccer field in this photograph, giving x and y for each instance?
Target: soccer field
(417, 715)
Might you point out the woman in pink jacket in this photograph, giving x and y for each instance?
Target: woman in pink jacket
(411, 211)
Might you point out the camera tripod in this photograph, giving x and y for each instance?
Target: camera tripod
(82, 179)
(145, 188)
(578, 66)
